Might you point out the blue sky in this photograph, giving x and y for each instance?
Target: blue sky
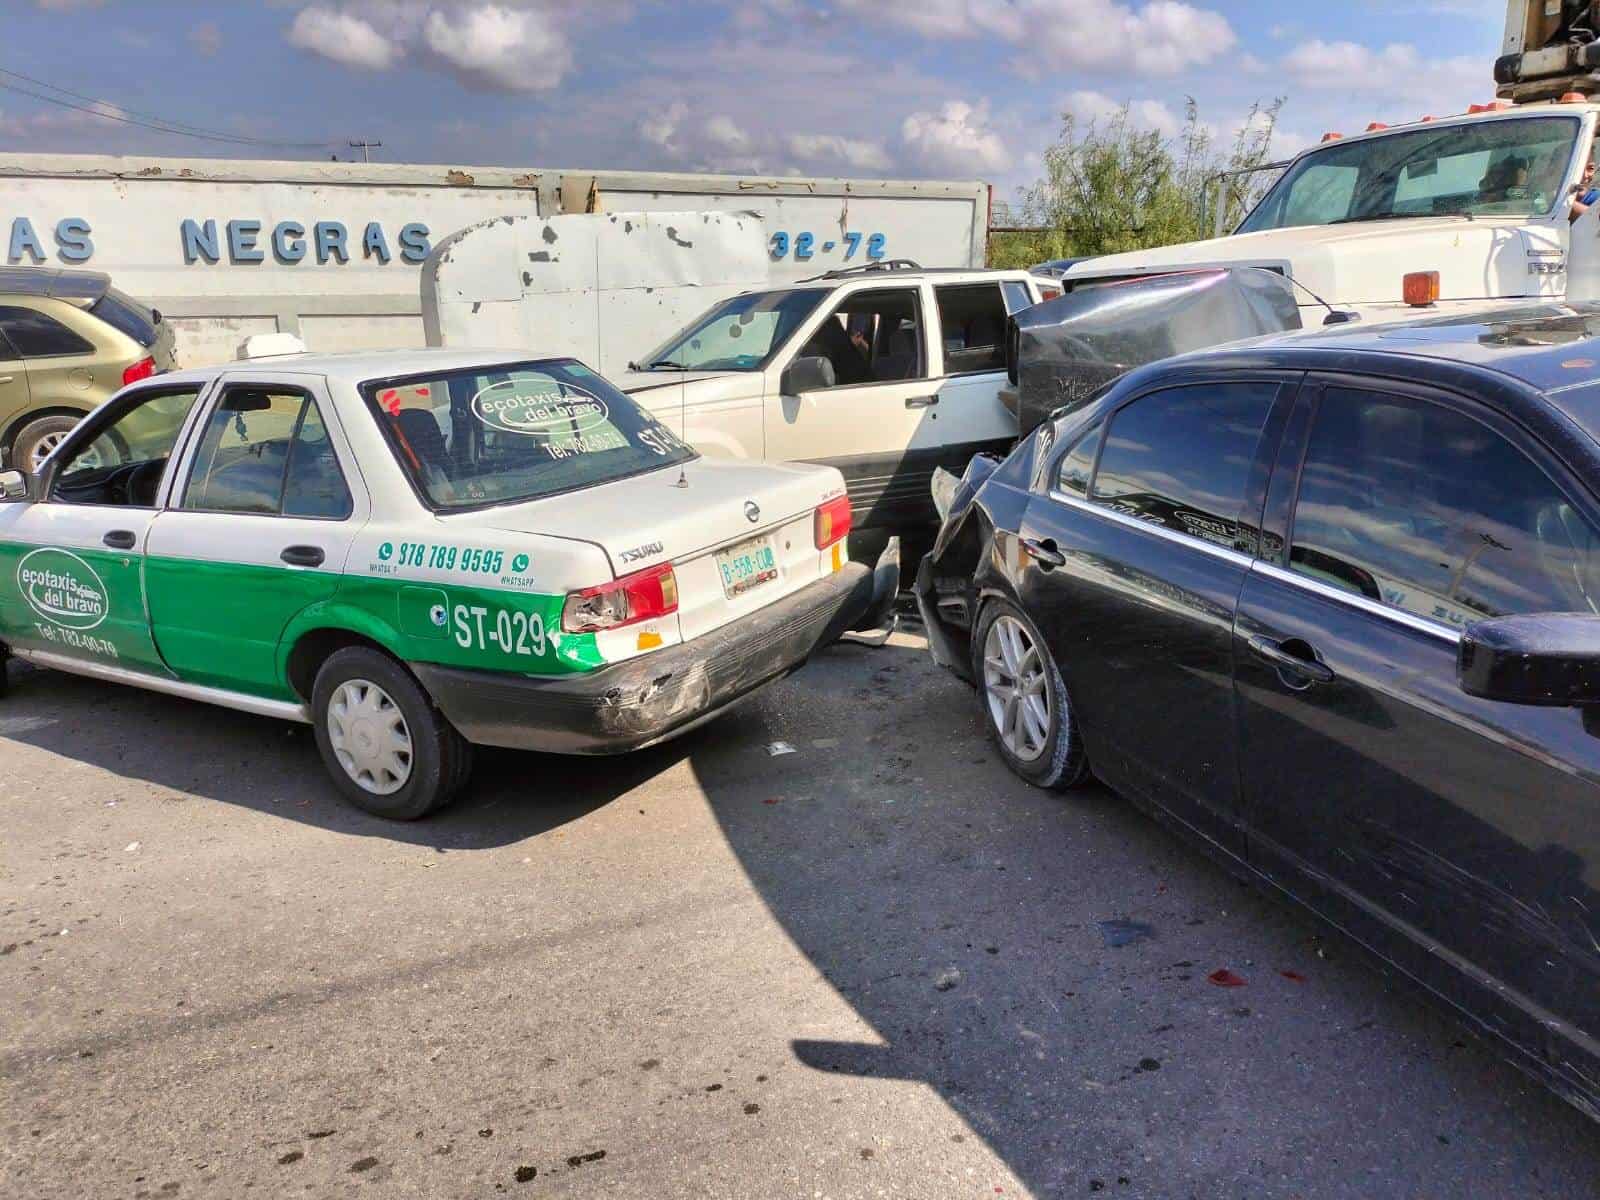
(876, 88)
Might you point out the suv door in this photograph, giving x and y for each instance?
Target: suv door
(878, 423)
(71, 563)
(257, 530)
(1376, 789)
(972, 322)
(1139, 544)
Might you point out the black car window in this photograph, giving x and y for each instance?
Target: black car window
(1078, 463)
(266, 452)
(1181, 458)
(37, 335)
(1429, 511)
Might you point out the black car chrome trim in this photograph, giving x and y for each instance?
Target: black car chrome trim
(1172, 535)
(1376, 607)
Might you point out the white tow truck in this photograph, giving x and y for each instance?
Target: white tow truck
(1470, 210)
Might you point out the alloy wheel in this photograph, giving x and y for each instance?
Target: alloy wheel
(43, 447)
(1015, 688)
(369, 737)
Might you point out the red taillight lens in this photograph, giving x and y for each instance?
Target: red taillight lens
(833, 521)
(1420, 288)
(142, 369)
(638, 597)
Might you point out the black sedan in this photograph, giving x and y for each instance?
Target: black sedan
(1328, 603)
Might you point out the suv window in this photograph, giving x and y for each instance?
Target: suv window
(1180, 458)
(872, 337)
(1429, 511)
(123, 314)
(267, 452)
(38, 335)
(972, 324)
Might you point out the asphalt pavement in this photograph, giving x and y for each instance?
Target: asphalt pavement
(875, 966)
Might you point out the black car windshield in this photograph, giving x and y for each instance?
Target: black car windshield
(516, 431)
(1509, 167)
(740, 334)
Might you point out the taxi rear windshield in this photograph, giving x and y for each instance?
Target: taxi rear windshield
(501, 434)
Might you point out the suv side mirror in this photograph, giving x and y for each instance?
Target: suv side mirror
(807, 375)
(1547, 659)
(16, 486)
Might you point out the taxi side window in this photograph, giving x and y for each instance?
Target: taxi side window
(1426, 510)
(266, 452)
(124, 461)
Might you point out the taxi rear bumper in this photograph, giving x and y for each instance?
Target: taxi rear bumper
(648, 699)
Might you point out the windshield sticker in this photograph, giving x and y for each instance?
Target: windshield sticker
(543, 408)
(62, 588)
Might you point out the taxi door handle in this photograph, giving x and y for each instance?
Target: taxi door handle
(303, 556)
(921, 401)
(120, 539)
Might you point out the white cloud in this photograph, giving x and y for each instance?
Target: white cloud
(723, 133)
(957, 139)
(859, 153)
(496, 48)
(503, 47)
(1393, 72)
(1142, 114)
(661, 128)
(206, 38)
(1161, 37)
(344, 38)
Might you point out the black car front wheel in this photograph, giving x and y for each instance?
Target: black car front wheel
(1025, 703)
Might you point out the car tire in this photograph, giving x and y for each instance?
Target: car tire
(40, 431)
(388, 748)
(1010, 656)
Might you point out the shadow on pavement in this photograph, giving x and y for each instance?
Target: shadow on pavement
(273, 766)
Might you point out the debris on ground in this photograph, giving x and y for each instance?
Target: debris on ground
(1223, 977)
(774, 749)
(1118, 934)
(947, 980)
(1293, 976)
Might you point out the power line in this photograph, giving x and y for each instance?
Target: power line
(128, 116)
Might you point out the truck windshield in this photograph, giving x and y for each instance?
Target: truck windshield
(1509, 167)
(516, 431)
(740, 334)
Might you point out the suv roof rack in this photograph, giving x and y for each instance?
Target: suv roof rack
(888, 264)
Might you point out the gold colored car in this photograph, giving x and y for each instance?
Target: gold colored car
(68, 340)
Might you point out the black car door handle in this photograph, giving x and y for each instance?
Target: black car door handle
(1044, 552)
(303, 556)
(120, 539)
(921, 401)
(1280, 655)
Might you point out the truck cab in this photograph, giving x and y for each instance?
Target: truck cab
(1464, 211)
(886, 371)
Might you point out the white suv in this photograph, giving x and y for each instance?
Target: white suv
(886, 371)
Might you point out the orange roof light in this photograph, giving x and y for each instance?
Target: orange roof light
(1476, 108)
(1426, 119)
(1573, 98)
(1501, 105)
(1376, 125)
(1420, 288)
(1331, 136)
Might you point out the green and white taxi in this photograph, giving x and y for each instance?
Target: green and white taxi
(417, 551)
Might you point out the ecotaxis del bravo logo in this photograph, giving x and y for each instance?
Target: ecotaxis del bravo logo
(542, 408)
(62, 588)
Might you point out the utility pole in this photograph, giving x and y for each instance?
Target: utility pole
(366, 148)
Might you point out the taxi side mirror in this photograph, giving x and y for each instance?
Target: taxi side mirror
(809, 374)
(1546, 659)
(16, 486)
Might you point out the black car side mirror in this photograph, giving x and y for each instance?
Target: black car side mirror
(810, 374)
(16, 486)
(1548, 659)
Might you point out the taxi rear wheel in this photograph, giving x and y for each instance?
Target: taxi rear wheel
(389, 750)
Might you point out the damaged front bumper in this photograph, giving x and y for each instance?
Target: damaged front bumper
(659, 695)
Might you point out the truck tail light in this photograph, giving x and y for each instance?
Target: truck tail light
(652, 592)
(142, 369)
(1420, 288)
(833, 521)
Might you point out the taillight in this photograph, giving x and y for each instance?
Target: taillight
(833, 521)
(1420, 288)
(142, 369)
(652, 592)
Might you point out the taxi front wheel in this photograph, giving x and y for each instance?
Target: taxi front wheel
(390, 751)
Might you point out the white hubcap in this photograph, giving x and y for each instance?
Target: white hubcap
(1014, 685)
(369, 737)
(43, 447)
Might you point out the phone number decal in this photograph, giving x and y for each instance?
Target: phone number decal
(804, 245)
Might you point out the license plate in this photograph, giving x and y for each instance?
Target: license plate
(747, 565)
